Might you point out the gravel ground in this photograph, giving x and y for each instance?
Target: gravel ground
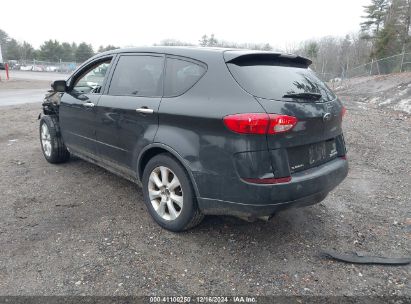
(391, 91)
(76, 229)
(24, 84)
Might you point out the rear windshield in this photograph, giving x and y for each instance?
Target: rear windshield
(273, 80)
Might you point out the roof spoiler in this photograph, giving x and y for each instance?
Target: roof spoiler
(243, 56)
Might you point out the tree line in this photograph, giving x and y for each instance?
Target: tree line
(212, 41)
(387, 27)
(331, 56)
(385, 31)
(50, 50)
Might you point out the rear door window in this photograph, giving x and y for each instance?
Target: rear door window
(181, 75)
(138, 75)
(271, 79)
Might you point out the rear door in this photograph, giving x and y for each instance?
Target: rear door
(77, 108)
(127, 113)
(285, 85)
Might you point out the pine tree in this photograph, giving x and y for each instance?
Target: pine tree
(12, 50)
(212, 41)
(311, 49)
(110, 48)
(26, 51)
(204, 41)
(403, 16)
(83, 52)
(374, 19)
(67, 52)
(267, 47)
(393, 38)
(50, 50)
(4, 38)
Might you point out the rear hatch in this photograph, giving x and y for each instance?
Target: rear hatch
(284, 84)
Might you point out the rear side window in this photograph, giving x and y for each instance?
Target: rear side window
(181, 75)
(271, 79)
(138, 76)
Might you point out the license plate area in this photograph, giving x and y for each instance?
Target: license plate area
(312, 155)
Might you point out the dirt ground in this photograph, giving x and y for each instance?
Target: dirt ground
(391, 91)
(75, 229)
(24, 84)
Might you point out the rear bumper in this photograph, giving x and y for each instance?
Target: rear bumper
(240, 198)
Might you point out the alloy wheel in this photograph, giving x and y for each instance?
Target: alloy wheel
(46, 140)
(165, 193)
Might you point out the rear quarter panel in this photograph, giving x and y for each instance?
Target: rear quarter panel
(192, 125)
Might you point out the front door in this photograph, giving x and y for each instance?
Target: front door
(127, 113)
(77, 111)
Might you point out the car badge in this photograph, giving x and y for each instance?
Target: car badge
(327, 117)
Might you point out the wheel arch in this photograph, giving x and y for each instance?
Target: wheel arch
(157, 148)
(59, 152)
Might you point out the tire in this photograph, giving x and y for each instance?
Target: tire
(171, 214)
(52, 144)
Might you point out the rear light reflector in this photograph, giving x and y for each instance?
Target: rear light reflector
(259, 123)
(281, 123)
(266, 181)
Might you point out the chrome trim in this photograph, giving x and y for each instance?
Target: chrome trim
(88, 104)
(145, 111)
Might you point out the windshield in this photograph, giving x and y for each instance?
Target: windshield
(271, 81)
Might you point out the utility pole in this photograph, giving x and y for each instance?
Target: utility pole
(402, 58)
(1, 56)
(1, 59)
(372, 61)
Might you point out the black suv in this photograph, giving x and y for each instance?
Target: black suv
(203, 130)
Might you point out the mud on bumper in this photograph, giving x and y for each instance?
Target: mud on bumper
(250, 200)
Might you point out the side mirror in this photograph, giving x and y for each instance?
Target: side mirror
(59, 85)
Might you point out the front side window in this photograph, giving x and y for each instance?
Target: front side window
(181, 75)
(138, 76)
(91, 81)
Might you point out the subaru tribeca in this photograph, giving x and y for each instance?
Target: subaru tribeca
(202, 130)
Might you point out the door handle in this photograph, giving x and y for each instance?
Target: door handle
(145, 110)
(88, 104)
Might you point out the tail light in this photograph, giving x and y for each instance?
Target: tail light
(266, 181)
(281, 123)
(343, 111)
(259, 123)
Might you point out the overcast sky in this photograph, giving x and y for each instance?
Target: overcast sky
(134, 23)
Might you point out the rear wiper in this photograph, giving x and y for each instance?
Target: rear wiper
(312, 96)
